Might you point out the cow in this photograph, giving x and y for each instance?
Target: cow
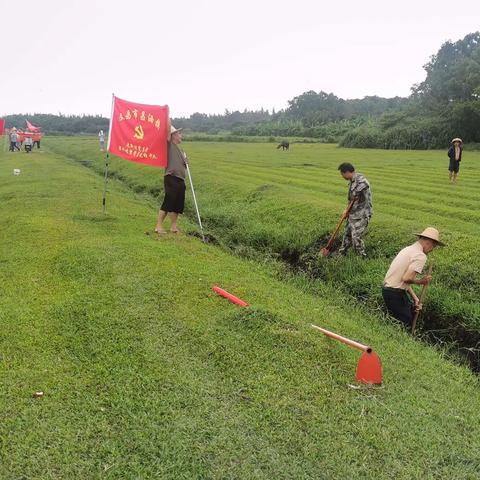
(284, 145)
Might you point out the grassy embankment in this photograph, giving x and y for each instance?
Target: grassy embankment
(147, 374)
(261, 201)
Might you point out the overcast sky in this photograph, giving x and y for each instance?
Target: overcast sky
(205, 56)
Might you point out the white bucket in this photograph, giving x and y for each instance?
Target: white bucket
(16, 171)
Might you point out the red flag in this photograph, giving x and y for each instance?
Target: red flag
(32, 128)
(2, 126)
(139, 132)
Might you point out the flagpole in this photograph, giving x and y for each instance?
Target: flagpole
(3, 133)
(5, 140)
(195, 201)
(104, 199)
(107, 156)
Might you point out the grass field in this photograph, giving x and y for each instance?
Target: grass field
(263, 202)
(147, 374)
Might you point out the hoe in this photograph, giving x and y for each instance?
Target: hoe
(423, 293)
(326, 250)
(369, 367)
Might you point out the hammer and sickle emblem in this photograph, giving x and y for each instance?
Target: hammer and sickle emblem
(138, 132)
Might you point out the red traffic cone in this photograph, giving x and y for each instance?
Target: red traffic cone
(369, 368)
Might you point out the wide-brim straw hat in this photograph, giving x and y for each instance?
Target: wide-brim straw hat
(432, 234)
(457, 140)
(174, 130)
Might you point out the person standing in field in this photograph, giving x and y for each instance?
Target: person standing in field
(13, 140)
(455, 156)
(36, 139)
(360, 213)
(174, 183)
(397, 288)
(101, 139)
(28, 142)
(20, 139)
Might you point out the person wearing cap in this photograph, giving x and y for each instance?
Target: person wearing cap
(360, 213)
(455, 156)
(397, 288)
(174, 182)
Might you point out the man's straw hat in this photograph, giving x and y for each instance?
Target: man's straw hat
(456, 139)
(174, 130)
(432, 234)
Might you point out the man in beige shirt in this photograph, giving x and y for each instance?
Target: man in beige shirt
(402, 274)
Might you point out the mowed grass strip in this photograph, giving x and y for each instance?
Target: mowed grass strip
(147, 374)
(255, 198)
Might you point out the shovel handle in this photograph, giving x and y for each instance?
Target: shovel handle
(347, 341)
(339, 224)
(229, 296)
(421, 299)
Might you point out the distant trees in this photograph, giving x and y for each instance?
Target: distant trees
(60, 124)
(201, 122)
(321, 108)
(453, 74)
(319, 115)
(445, 105)
(316, 108)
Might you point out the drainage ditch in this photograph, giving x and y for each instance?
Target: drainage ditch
(449, 334)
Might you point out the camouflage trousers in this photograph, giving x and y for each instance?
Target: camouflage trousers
(353, 235)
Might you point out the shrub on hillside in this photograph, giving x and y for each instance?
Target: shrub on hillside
(421, 134)
(363, 138)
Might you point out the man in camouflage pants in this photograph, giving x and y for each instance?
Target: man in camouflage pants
(360, 213)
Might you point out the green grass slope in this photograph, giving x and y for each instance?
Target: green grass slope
(147, 374)
(257, 199)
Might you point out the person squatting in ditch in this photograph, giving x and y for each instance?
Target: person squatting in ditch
(174, 183)
(360, 213)
(397, 288)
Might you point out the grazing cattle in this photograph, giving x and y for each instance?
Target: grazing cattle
(284, 145)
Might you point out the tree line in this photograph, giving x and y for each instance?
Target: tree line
(445, 105)
(319, 115)
(60, 124)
